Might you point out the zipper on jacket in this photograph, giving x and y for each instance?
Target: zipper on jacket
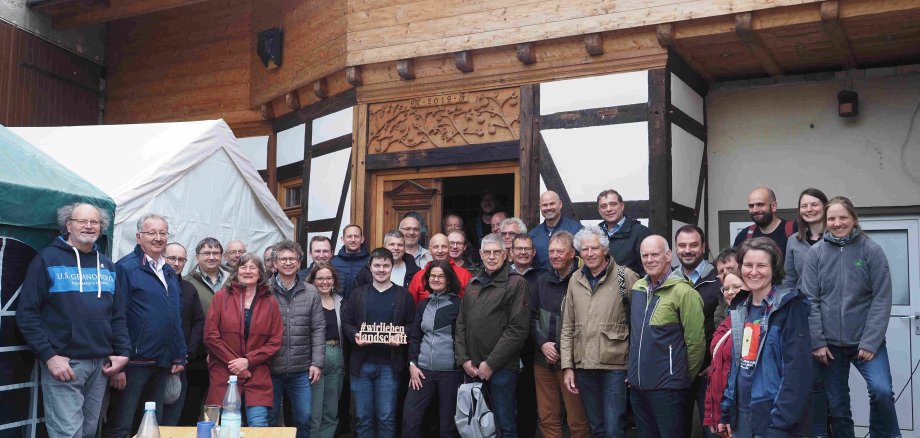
(648, 300)
(671, 359)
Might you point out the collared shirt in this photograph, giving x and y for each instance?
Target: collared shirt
(696, 274)
(207, 279)
(515, 270)
(422, 257)
(157, 266)
(653, 286)
(612, 231)
(281, 283)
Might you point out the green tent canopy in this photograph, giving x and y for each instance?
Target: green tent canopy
(33, 186)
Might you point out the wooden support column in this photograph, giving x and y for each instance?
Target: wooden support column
(530, 153)
(303, 228)
(271, 161)
(745, 31)
(830, 21)
(659, 152)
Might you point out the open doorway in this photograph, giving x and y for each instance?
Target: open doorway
(462, 195)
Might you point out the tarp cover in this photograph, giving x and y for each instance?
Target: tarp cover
(33, 185)
(193, 173)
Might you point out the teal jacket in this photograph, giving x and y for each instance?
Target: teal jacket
(667, 342)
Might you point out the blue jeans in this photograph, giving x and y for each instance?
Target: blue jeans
(257, 416)
(503, 389)
(603, 394)
(142, 383)
(659, 413)
(374, 389)
(818, 408)
(297, 388)
(883, 420)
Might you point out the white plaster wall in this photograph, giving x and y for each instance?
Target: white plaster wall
(789, 137)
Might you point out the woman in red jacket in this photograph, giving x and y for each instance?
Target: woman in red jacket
(243, 331)
(721, 350)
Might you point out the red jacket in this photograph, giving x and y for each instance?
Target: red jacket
(223, 335)
(417, 286)
(718, 372)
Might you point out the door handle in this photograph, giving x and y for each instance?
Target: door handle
(917, 316)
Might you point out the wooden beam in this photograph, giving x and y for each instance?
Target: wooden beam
(745, 31)
(119, 9)
(340, 220)
(303, 224)
(292, 100)
(267, 112)
(353, 75)
(271, 164)
(659, 152)
(320, 89)
(830, 22)
(463, 60)
(594, 44)
(526, 54)
(530, 153)
(595, 117)
(475, 153)
(667, 39)
(406, 69)
(687, 123)
(553, 180)
(308, 113)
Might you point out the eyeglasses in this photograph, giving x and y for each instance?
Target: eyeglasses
(173, 259)
(456, 243)
(154, 234)
(436, 277)
(84, 222)
(523, 250)
(209, 254)
(238, 252)
(284, 260)
(492, 252)
(509, 233)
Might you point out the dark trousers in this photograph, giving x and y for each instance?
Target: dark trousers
(197, 389)
(440, 386)
(696, 396)
(527, 395)
(171, 413)
(659, 413)
(143, 383)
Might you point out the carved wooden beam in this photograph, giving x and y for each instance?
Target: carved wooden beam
(267, 112)
(666, 38)
(830, 21)
(594, 44)
(103, 12)
(292, 100)
(320, 89)
(525, 53)
(406, 69)
(353, 75)
(464, 61)
(745, 31)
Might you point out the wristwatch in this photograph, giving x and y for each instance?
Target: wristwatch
(412, 363)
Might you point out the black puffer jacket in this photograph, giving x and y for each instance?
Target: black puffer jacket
(304, 327)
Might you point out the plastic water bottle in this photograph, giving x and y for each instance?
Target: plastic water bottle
(149, 427)
(230, 418)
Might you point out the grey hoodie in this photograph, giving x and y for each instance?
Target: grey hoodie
(849, 288)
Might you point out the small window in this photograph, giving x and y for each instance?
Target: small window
(292, 196)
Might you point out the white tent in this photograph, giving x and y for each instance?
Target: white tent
(193, 173)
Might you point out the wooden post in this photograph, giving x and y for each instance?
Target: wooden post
(745, 30)
(530, 153)
(271, 161)
(302, 221)
(830, 21)
(659, 153)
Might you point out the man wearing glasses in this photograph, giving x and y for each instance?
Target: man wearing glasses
(522, 253)
(509, 228)
(491, 328)
(299, 362)
(193, 330)
(235, 250)
(208, 275)
(71, 285)
(154, 326)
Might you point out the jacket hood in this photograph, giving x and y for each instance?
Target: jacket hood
(237, 288)
(362, 253)
(61, 243)
(709, 270)
(781, 296)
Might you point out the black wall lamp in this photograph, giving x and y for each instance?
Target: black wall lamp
(269, 48)
(847, 103)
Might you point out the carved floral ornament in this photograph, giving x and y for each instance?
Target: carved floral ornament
(444, 121)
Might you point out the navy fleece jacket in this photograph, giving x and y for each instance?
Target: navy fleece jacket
(56, 317)
(153, 312)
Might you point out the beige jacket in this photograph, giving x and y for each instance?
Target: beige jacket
(595, 329)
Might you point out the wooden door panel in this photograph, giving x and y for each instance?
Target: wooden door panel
(401, 196)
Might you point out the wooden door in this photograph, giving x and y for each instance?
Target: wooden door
(403, 196)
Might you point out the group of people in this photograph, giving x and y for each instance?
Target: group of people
(588, 323)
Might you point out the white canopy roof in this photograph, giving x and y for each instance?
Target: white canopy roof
(193, 173)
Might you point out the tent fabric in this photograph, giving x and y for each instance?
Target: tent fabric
(33, 186)
(194, 174)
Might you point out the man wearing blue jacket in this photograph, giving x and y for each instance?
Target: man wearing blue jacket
(74, 322)
(554, 221)
(154, 324)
